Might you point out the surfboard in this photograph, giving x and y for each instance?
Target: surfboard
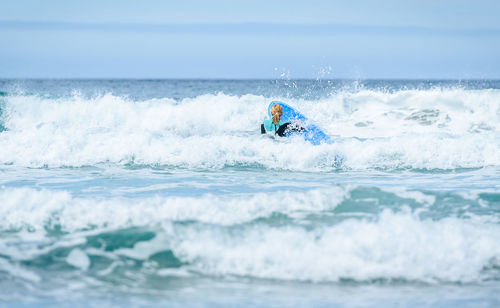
(312, 133)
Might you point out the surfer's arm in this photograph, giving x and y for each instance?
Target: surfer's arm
(282, 129)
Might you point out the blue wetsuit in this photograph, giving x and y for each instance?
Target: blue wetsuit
(269, 126)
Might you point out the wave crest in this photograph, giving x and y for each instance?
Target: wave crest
(422, 129)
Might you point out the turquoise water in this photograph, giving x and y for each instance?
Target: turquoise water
(164, 192)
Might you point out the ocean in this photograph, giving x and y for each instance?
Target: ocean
(164, 193)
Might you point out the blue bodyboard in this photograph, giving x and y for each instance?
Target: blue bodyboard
(312, 133)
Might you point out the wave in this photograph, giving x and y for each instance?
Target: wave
(394, 247)
(323, 235)
(29, 209)
(407, 129)
(39, 210)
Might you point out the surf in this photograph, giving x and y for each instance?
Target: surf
(319, 235)
(373, 129)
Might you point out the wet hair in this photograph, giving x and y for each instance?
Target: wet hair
(276, 113)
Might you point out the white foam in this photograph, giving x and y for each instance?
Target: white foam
(451, 128)
(110, 268)
(174, 272)
(396, 246)
(144, 249)
(418, 196)
(79, 259)
(389, 246)
(36, 210)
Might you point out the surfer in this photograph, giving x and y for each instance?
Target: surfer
(277, 126)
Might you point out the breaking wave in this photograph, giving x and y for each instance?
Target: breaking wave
(322, 235)
(406, 129)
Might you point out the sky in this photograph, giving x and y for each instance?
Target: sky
(355, 39)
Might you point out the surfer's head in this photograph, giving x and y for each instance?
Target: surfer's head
(276, 113)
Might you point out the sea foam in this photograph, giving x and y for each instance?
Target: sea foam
(38, 210)
(421, 129)
(246, 235)
(396, 246)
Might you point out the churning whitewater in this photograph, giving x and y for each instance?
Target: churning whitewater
(220, 235)
(408, 129)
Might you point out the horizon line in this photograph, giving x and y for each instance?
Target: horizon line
(247, 28)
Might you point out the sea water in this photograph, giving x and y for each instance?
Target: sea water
(164, 193)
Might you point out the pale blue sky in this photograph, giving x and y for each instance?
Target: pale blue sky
(249, 39)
